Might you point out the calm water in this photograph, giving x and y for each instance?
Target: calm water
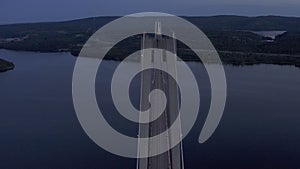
(39, 129)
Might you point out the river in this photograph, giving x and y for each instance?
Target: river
(39, 129)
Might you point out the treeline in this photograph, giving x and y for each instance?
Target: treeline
(227, 33)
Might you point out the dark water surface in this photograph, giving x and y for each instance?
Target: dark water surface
(39, 128)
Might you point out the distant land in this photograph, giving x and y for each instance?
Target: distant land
(5, 65)
(239, 40)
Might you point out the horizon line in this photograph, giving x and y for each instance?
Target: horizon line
(118, 16)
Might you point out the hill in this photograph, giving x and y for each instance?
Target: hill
(229, 34)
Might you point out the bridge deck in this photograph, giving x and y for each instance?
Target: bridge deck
(155, 79)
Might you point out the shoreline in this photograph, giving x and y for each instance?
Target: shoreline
(6, 65)
(234, 58)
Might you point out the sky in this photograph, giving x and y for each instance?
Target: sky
(21, 11)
